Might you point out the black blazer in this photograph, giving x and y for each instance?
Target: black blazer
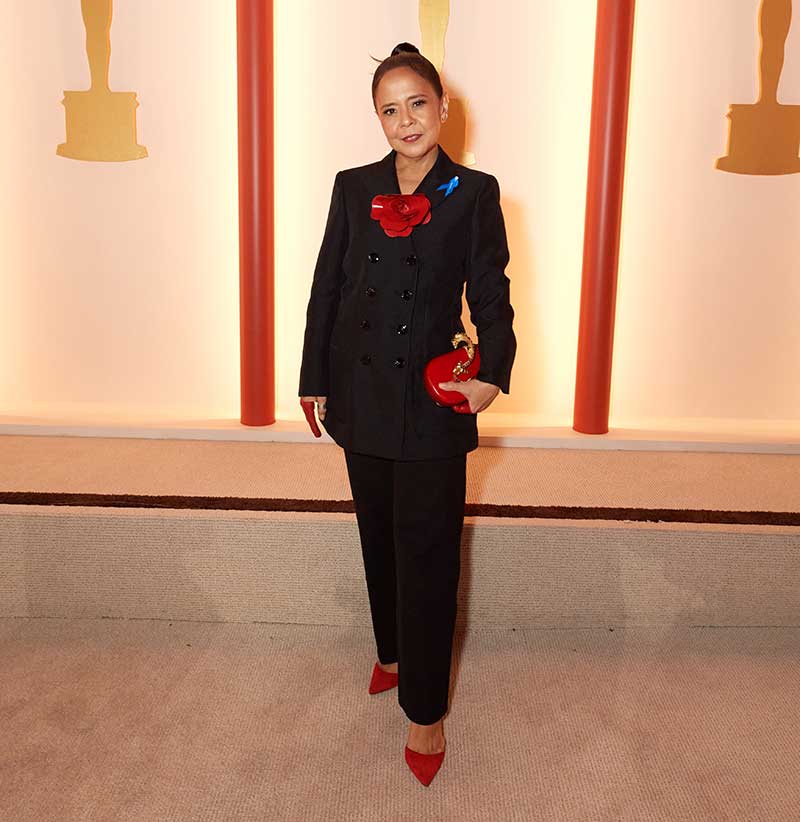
(381, 307)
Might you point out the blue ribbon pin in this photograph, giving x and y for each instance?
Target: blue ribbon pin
(449, 186)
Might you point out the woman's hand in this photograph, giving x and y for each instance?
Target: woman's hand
(320, 401)
(479, 394)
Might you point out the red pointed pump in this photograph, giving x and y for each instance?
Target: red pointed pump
(382, 680)
(424, 766)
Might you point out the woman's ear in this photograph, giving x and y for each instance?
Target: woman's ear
(445, 102)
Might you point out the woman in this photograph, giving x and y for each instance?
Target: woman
(386, 298)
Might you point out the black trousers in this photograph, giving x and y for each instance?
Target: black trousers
(410, 515)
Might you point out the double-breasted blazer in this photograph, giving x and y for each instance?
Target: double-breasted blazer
(381, 307)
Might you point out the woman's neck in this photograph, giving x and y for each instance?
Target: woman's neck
(412, 172)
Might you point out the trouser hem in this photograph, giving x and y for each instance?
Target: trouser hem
(424, 718)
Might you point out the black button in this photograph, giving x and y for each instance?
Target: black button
(373, 257)
(407, 294)
(399, 362)
(411, 259)
(402, 329)
(365, 324)
(366, 359)
(370, 292)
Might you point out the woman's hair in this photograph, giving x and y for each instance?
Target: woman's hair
(406, 54)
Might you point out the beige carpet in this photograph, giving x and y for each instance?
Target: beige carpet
(307, 568)
(511, 476)
(669, 720)
(119, 720)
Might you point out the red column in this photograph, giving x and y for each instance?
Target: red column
(256, 212)
(611, 90)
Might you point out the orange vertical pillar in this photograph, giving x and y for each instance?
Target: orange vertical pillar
(254, 24)
(609, 123)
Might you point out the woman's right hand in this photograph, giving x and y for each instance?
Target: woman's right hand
(308, 404)
(320, 403)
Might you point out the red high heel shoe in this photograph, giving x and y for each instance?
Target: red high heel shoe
(382, 680)
(424, 766)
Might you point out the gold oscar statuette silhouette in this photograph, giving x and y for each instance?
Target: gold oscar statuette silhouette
(764, 137)
(434, 16)
(101, 124)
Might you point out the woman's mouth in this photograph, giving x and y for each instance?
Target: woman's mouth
(411, 138)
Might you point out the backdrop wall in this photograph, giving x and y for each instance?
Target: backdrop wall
(120, 280)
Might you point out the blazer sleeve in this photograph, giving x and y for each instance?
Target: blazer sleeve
(324, 300)
(488, 288)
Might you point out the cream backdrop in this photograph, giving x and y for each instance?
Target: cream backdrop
(120, 290)
(120, 280)
(707, 330)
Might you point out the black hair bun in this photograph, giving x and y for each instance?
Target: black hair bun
(400, 47)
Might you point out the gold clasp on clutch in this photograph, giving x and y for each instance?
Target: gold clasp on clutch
(461, 367)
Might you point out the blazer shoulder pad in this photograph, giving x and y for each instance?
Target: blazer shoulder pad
(475, 177)
(360, 171)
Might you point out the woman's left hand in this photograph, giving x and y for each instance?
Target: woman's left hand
(480, 395)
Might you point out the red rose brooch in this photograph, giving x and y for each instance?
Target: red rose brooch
(399, 213)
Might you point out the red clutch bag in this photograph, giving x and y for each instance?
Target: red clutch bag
(461, 365)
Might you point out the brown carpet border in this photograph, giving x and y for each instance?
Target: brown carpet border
(569, 512)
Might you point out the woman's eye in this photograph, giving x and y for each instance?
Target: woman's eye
(390, 111)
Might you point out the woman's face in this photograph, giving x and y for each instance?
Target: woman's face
(410, 112)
